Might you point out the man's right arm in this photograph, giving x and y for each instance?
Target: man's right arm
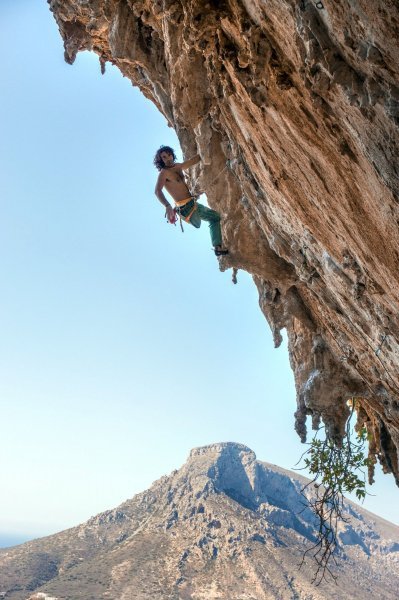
(161, 196)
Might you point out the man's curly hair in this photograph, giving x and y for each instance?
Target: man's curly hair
(158, 162)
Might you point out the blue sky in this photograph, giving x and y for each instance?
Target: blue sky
(122, 345)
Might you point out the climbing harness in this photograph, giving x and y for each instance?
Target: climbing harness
(180, 204)
(177, 214)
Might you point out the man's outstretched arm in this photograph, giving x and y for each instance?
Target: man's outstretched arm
(189, 163)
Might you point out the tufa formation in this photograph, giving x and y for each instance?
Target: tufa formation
(293, 106)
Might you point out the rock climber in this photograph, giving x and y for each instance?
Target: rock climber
(172, 178)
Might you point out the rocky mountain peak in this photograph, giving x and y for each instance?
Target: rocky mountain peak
(224, 526)
(233, 469)
(228, 448)
(224, 467)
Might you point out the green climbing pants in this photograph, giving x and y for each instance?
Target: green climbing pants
(203, 213)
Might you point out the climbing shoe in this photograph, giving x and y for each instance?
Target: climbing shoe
(219, 251)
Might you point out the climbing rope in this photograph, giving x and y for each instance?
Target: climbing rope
(376, 352)
(228, 161)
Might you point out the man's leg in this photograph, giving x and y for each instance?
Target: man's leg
(213, 218)
(195, 219)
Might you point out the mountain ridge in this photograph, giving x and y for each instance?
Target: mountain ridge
(223, 526)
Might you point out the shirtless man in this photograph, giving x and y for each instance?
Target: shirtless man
(172, 178)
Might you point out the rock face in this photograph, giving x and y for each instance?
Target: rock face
(225, 526)
(301, 98)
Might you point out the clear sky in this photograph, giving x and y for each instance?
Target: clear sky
(122, 346)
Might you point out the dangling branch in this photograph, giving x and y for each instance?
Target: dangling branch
(336, 470)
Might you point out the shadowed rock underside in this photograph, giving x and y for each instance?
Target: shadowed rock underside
(303, 104)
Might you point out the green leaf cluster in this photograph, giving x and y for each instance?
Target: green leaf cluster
(339, 468)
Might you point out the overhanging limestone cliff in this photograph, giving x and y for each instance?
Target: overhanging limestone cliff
(302, 99)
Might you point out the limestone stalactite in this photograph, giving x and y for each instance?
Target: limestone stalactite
(302, 99)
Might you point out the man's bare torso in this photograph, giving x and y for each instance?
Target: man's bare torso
(176, 184)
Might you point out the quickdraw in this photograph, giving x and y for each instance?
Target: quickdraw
(319, 5)
(173, 219)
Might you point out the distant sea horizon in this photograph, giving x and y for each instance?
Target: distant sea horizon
(12, 539)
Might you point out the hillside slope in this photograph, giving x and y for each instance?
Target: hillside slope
(225, 526)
